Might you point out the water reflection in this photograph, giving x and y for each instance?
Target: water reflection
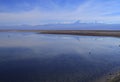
(29, 57)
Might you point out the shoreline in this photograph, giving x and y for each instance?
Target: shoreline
(112, 33)
(110, 77)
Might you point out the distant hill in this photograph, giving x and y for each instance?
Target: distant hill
(72, 26)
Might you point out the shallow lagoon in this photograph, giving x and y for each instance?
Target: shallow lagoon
(30, 57)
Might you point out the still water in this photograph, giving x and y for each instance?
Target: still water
(30, 57)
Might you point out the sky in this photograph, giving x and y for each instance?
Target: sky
(37, 12)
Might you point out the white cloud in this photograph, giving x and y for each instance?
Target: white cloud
(92, 10)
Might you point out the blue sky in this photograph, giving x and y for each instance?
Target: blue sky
(35, 12)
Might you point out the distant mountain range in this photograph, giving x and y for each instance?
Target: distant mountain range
(72, 26)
